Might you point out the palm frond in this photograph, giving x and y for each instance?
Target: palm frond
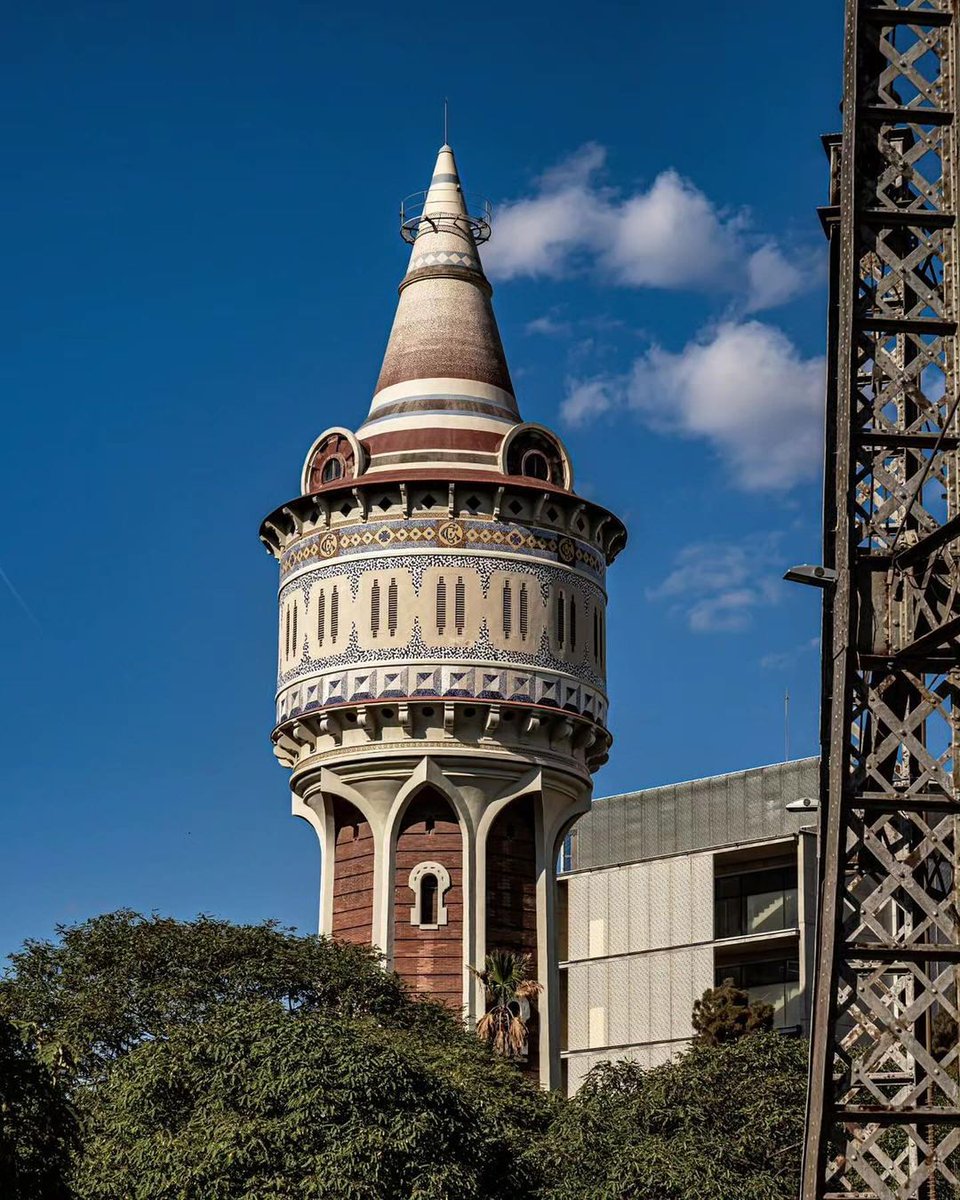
(485, 1027)
(517, 1036)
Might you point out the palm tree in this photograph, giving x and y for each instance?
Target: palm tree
(509, 991)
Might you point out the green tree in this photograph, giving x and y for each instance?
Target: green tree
(209, 1061)
(112, 982)
(507, 987)
(260, 1102)
(725, 1013)
(37, 1126)
(717, 1123)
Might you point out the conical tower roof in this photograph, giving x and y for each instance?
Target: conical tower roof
(444, 397)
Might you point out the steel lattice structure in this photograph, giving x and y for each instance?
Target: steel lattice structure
(884, 1102)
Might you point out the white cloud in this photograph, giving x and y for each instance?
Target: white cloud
(743, 387)
(549, 326)
(717, 586)
(589, 399)
(670, 235)
(771, 278)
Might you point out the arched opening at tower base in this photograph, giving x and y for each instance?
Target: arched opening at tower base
(511, 906)
(352, 875)
(428, 899)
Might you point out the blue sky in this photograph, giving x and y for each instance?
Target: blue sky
(198, 221)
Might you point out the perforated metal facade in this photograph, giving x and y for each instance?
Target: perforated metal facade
(701, 814)
(640, 899)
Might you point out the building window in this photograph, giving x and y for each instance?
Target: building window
(565, 858)
(507, 609)
(596, 636)
(334, 614)
(441, 605)
(561, 619)
(375, 608)
(573, 623)
(534, 464)
(392, 604)
(295, 639)
(757, 901)
(524, 612)
(429, 882)
(773, 981)
(321, 606)
(287, 633)
(332, 470)
(429, 888)
(460, 605)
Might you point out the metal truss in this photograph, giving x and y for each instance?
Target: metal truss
(884, 1101)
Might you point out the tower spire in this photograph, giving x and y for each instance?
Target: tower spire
(444, 395)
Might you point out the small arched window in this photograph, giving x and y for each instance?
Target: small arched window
(332, 470)
(534, 465)
(429, 897)
(561, 620)
(429, 882)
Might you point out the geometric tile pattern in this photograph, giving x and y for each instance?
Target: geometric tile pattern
(439, 681)
(418, 646)
(442, 258)
(442, 534)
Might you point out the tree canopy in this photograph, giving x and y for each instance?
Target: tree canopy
(259, 1102)
(726, 1012)
(37, 1126)
(716, 1123)
(114, 981)
(222, 1062)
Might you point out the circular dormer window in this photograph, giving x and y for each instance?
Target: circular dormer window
(532, 452)
(334, 457)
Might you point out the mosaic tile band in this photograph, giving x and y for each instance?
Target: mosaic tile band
(439, 681)
(442, 534)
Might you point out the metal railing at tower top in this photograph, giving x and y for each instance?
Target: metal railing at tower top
(884, 1100)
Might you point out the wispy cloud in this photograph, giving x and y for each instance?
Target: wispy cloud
(549, 326)
(670, 235)
(782, 660)
(717, 586)
(19, 599)
(744, 387)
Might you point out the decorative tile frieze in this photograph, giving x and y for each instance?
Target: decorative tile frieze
(440, 681)
(420, 533)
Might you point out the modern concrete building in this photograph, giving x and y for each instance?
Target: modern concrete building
(666, 892)
(441, 698)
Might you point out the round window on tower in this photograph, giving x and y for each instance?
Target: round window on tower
(533, 452)
(334, 457)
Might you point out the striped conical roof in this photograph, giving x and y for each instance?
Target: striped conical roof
(444, 397)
